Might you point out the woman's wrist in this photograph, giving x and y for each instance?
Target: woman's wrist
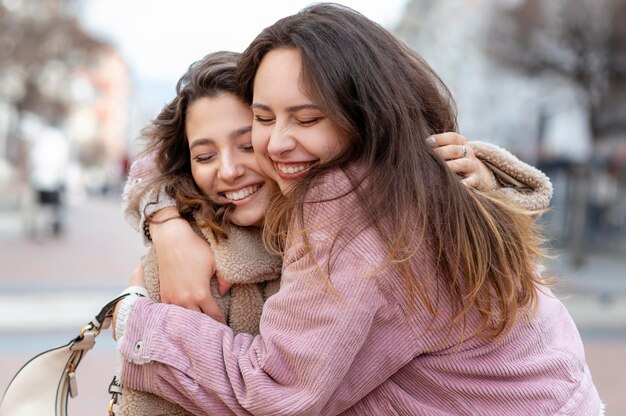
(495, 182)
(489, 181)
(122, 309)
(159, 218)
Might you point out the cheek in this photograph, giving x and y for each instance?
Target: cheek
(195, 174)
(264, 164)
(259, 139)
(204, 177)
(266, 167)
(337, 143)
(326, 143)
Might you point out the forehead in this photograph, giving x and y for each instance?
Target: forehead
(279, 76)
(217, 118)
(215, 105)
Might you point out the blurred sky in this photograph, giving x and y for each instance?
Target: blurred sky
(159, 39)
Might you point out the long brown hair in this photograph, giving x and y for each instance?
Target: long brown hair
(387, 100)
(166, 138)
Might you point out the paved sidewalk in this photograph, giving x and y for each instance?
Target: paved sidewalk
(595, 294)
(50, 288)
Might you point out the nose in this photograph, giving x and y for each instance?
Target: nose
(281, 141)
(231, 167)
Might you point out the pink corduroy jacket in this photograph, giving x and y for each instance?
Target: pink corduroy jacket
(356, 350)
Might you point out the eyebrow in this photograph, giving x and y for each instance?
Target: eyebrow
(240, 132)
(291, 109)
(200, 142)
(233, 135)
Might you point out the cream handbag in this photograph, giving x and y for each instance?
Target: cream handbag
(43, 386)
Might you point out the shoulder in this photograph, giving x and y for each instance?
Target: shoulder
(335, 219)
(332, 202)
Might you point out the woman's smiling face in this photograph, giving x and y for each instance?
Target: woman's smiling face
(223, 163)
(290, 133)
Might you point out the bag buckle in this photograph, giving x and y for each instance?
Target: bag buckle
(115, 389)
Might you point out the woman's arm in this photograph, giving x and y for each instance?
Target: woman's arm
(522, 184)
(313, 356)
(186, 264)
(490, 168)
(185, 260)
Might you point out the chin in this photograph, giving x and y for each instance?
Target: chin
(246, 219)
(285, 186)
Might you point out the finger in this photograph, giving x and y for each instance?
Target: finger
(137, 278)
(192, 307)
(184, 302)
(223, 286)
(454, 151)
(139, 267)
(209, 307)
(448, 138)
(471, 182)
(461, 166)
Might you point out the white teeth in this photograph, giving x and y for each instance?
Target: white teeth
(242, 193)
(292, 169)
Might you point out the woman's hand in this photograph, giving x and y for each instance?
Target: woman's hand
(223, 285)
(186, 264)
(137, 278)
(460, 158)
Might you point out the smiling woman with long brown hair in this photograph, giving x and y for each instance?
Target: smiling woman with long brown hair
(403, 291)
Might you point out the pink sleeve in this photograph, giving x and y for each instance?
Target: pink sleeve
(319, 352)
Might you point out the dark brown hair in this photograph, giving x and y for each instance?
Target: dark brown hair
(167, 140)
(387, 100)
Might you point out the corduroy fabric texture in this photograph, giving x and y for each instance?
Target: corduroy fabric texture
(359, 345)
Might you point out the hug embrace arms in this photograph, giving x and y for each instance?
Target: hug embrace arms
(392, 306)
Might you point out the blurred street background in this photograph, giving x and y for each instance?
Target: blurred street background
(79, 79)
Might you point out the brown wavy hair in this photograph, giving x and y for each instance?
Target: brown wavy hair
(387, 100)
(167, 140)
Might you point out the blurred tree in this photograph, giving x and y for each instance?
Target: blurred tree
(583, 41)
(41, 43)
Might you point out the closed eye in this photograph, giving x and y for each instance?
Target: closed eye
(204, 157)
(247, 148)
(308, 121)
(263, 119)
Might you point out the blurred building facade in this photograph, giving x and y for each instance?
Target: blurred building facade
(55, 75)
(546, 80)
(97, 119)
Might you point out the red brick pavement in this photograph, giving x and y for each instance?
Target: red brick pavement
(99, 248)
(608, 369)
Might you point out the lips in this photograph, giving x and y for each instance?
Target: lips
(241, 193)
(293, 170)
